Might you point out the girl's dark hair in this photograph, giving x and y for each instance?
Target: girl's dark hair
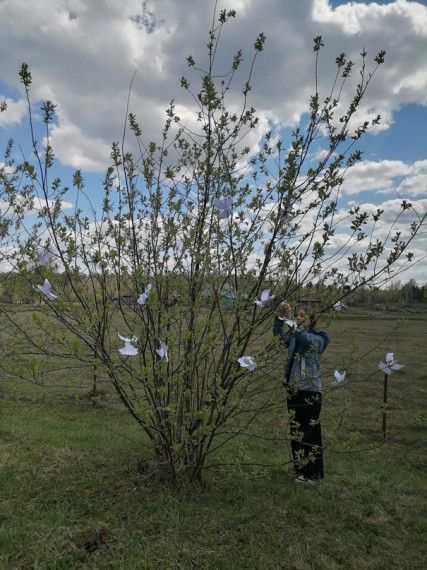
(313, 320)
(311, 316)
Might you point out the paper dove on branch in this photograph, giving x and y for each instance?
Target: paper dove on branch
(287, 216)
(163, 351)
(224, 207)
(291, 323)
(390, 364)
(247, 362)
(339, 306)
(45, 256)
(128, 349)
(144, 296)
(338, 378)
(46, 290)
(265, 297)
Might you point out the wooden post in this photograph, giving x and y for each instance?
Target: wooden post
(94, 382)
(385, 404)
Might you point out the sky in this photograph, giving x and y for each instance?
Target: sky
(83, 54)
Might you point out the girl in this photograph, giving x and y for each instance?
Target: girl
(302, 379)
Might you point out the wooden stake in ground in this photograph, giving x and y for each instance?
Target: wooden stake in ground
(387, 367)
(385, 406)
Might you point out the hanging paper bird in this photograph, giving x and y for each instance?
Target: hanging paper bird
(224, 207)
(390, 364)
(247, 362)
(45, 256)
(46, 290)
(338, 378)
(144, 296)
(128, 349)
(163, 351)
(265, 297)
(292, 324)
(339, 306)
(287, 216)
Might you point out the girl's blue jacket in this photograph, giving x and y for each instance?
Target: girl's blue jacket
(304, 350)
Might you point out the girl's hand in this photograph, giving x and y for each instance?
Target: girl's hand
(285, 310)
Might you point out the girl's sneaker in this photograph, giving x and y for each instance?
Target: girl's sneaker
(302, 479)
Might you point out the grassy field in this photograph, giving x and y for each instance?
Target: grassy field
(74, 494)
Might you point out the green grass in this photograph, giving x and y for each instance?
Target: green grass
(77, 493)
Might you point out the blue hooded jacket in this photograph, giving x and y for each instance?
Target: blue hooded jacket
(304, 350)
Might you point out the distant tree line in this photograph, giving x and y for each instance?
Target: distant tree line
(396, 294)
(19, 289)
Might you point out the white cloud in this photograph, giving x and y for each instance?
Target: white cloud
(82, 152)
(83, 53)
(381, 176)
(416, 183)
(16, 111)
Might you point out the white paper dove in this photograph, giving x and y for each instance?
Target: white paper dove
(46, 289)
(128, 349)
(339, 306)
(291, 323)
(247, 362)
(144, 296)
(224, 207)
(45, 256)
(338, 378)
(163, 351)
(287, 216)
(265, 297)
(390, 364)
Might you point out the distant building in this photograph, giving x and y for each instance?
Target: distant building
(125, 299)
